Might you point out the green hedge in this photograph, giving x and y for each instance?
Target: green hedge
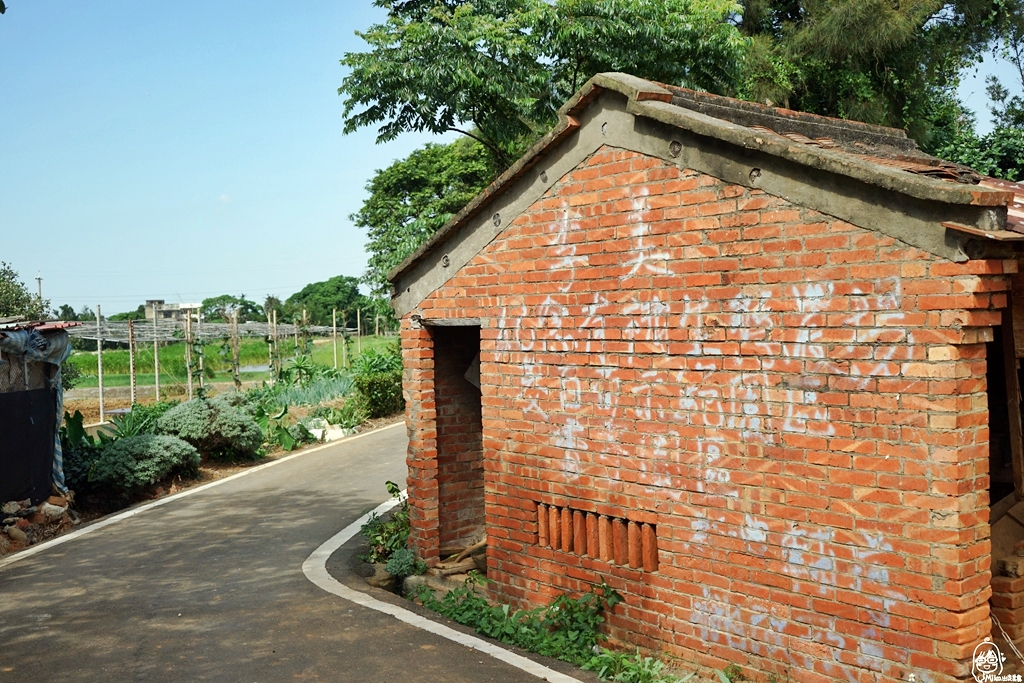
(217, 430)
(134, 462)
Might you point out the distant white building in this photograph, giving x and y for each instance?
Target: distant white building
(165, 311)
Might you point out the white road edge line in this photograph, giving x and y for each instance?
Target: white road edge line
(315, 569)
(53, 542)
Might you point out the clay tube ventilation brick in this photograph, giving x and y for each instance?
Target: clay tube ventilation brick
(610, 539)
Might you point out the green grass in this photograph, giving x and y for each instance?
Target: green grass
(172, 361)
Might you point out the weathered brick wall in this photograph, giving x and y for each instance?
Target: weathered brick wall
(794, 406)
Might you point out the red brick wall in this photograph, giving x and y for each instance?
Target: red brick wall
(796, 405)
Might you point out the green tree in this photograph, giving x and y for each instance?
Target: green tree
(497, 70)
(16, 300)
(319, 299)
(1000, 153)
(138, 314)
(273, 304)
(220, 309)
(878, 61)
(409, 200)
(65, 312)
(1007, 111)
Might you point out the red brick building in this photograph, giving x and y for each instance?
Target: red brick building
(738, 362)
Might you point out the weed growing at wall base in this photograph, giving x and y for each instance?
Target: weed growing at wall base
(566, 629)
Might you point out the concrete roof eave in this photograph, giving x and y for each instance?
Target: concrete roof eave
(653, 102)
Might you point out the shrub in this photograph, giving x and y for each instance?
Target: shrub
(378, 379)
(134, 462)
(385, 536)
(381, 393)
(404, 563)
(301, 434)
(566, 629)
(622, 667)
(80, 452)
(78, 461)
(214, 428)
(153, 411)
(349, 416)
(233, 399)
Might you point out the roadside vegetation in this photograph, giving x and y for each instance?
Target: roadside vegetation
(253, 353)
(154, 445)
(568, 628)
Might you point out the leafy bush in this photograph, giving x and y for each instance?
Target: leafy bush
(134, 462)
(153, 411)
(566, 629)
(301, 434)
(622, 667)
(214, 428)
(404, 563)
(233, 399)
(70, 375)
(378, 379)
(385, 536)
(349, 416)
(80, 452)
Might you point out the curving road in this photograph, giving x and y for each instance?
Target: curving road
(209, 587)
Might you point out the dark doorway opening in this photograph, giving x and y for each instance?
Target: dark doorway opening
(1000, 455)
(460, 461)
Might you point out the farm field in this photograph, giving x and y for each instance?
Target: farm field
(253, 354)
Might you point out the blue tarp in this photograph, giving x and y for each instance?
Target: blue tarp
(54, 347)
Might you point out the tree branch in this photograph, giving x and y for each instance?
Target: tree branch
(482, 141)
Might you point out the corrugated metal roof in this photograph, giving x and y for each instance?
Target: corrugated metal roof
(38, 325)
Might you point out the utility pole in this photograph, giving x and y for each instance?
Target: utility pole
(235, 351)
(99, 357)
(39, 283)
(202, 351)
(334, 326)
(131, 357)
(156, 352)
(274, 357)
(359, 332)
(344, 345)
(188, 351)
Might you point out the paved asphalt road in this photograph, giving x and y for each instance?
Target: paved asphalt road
(210, 588)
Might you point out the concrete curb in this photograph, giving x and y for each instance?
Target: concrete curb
(315, 569)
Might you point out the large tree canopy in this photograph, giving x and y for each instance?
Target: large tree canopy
(221, 309)
(999, 153)
(414, 197)
(320, 299)
(497, 70)
(878, 61)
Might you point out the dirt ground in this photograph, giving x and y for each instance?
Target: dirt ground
(87, 401)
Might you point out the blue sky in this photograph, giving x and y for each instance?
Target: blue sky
(185, 150)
